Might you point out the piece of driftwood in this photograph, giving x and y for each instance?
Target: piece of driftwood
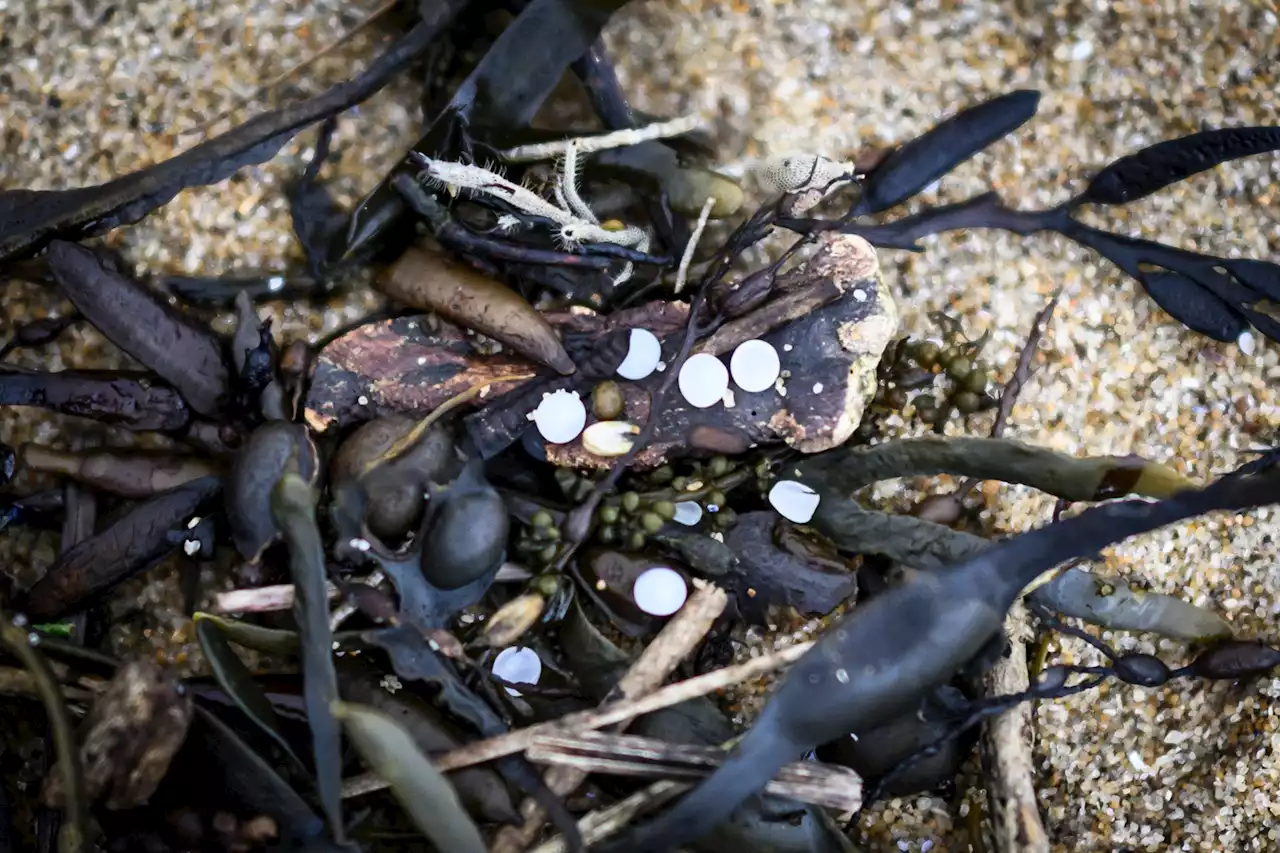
(830, 320)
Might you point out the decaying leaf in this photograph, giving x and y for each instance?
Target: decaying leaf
(129, 737)
(422, 790)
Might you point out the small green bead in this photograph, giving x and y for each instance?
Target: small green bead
(546, 585)
(959, 368)
(664, 509)
(548, 554)
(608, 534)
(608, 514)
(976, 381)
(542, 518)
(947, 356)
(926, 354)
(680, 483)
(716, 498)
(651, 521)
(966, 402)
(718, 466)
(525, 545)
(635, 541)
(663, 475)
(552, 534)
(630, 501)
(724, 519)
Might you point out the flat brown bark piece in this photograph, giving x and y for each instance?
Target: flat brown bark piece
(401, 366)
(830, 326)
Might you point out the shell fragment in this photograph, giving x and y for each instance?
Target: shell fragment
(609, 438)
(643, 355)
(794, 501)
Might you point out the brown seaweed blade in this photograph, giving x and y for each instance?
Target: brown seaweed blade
(1194, 307)
(186, 355)
(422, 790)
(136, 542)
(29, 219)
(293, 505)
(928, 157)
(115, 398)
(1072, 478)
(129, 475)
(880, 660)
(1144, 172)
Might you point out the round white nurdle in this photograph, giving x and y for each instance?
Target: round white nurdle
(519, 665)
(643, 355)
(560, 416)
(660, 591)
(703, 380)
(794, 501)
(755, 365)
(688, 513)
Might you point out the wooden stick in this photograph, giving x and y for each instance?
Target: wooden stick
(682, 274)
(674, 643)
(602, 823)
(616, 712)
(811, 782)
(1006, 750)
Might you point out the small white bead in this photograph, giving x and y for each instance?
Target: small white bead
(560, 417)
(703, 380)
(643, 355)
(794, 501)
(755, 365)
(688, 513)
(519, 665)
(660, 591)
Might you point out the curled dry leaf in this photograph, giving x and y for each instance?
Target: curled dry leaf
(431, 281)
(129, 736)
(511, 620)
(422, 790)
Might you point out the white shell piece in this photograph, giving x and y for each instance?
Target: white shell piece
(643, 355)
(755, 365)
(688, 513)
(560, 416)
(609, 438)
(794, 501)
(519, 665)
(703, 380)
(660, 591)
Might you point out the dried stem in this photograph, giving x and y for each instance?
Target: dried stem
(825, 785)
(263, 599)
(602, 823)
(616, 712)
(691, 246)
(674, 643)
(1006, 750)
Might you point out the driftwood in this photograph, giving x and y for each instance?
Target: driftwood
(830, 320)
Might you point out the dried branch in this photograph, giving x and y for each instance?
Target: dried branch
(826, 785)
(674, 643)
(1006, 750)
(602, 823)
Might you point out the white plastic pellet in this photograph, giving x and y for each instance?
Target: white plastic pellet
(794, 501)
(560, 416)
(755, 365)
(703, 380)
(518, 665)
(688, 513)
(660, 591)
(643, 355)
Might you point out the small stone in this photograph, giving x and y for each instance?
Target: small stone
(1246, 342)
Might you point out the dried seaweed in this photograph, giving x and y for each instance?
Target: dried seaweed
(30, 219)
(422, 790)
(127, 399)
(293, 503)
(878, 662)
(134, 543)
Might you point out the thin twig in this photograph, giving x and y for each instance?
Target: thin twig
(692, 244)
(1006, 750)
(675, 642)
(589, 144)
(616, 712)
(343, 611)
(602, 823)
(826, 785)
(263, 599)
